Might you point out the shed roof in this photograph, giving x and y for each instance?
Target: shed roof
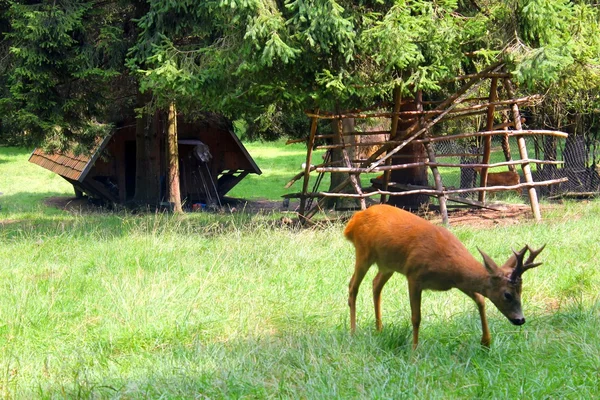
(68, 165)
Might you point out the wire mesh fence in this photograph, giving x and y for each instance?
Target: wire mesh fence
(578, 155)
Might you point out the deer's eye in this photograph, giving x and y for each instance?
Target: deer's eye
(508, 296)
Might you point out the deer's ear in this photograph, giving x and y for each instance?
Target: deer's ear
(488, 263)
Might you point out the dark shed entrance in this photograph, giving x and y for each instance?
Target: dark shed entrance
(212, 160)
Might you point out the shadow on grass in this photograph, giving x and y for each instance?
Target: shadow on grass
(49, 213)
(330, 363)
(14, 151)
(24, 201)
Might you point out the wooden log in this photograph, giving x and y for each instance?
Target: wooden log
(346, 158)
(430, 191)
(437, 177)
(528, 132)
(470, 114)
(311, 142)
(475, 203)
(393, 135)
(533, 200)
(464, 91)
(517, 132)
(505, 141)
(415, 114)
(505, 125)
(295, 179)
(450, 103)
(359, 170)
(487, 144)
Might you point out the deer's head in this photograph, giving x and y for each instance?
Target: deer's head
(505, 282)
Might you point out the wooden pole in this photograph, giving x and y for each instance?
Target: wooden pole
(505, 142)
(533, 200)
(173, 160)
(448, 105)
(487, 143)
(439, 186)
(310, 144)
(353, 178)
(384, 168)
(393, 133)
(430, 191)
(445, 107)
(431, 113)
(527, 132)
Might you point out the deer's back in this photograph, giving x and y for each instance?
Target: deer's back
(403, 242)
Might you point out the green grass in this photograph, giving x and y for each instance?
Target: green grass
(237, 306)
(279, 163)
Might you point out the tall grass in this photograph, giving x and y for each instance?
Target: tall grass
(238, 306)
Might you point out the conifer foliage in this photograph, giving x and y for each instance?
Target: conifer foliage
(70, 67)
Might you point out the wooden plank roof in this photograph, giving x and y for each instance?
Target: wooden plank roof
(68, 165)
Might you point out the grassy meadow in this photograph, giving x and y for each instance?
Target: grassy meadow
(121, 305)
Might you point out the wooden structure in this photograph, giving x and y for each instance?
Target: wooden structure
(212, 160)
(414, 125)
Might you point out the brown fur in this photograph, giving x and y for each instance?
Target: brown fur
(431, 258)
(506, 178)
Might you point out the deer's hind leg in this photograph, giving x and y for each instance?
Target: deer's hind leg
(380, 280)
(362, 265)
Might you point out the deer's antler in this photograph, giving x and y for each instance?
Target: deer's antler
(521, 266)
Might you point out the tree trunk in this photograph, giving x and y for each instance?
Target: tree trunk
(147, 176)
(342, 203)
(411, 153)
(173, 160)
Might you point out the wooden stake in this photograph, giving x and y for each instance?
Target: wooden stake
(505, 141)
(429, 191)
(393, 134)
(450, 103)
(487, 143)
(310, 144)
(434, 170)
(533, 200)
(358, 170)
(353, 178)
(431, 113)
(173, 159)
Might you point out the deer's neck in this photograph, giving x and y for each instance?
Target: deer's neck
(474, 278)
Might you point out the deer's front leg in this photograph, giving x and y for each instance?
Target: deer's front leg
(486, 337)
(414, 292)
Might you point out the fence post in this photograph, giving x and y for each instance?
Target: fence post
(533, 200)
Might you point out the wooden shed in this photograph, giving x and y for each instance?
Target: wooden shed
(212, 160)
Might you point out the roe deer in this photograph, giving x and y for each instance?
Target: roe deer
(506, 178)
(430, 257)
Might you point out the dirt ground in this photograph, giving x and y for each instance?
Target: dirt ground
(506, 214)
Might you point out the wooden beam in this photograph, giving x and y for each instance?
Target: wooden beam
(533, 200)
(487, 143)
(415, 114)
(448, 105)
(309, 148)
(428, 191)
(357, 170)
(393, 135)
